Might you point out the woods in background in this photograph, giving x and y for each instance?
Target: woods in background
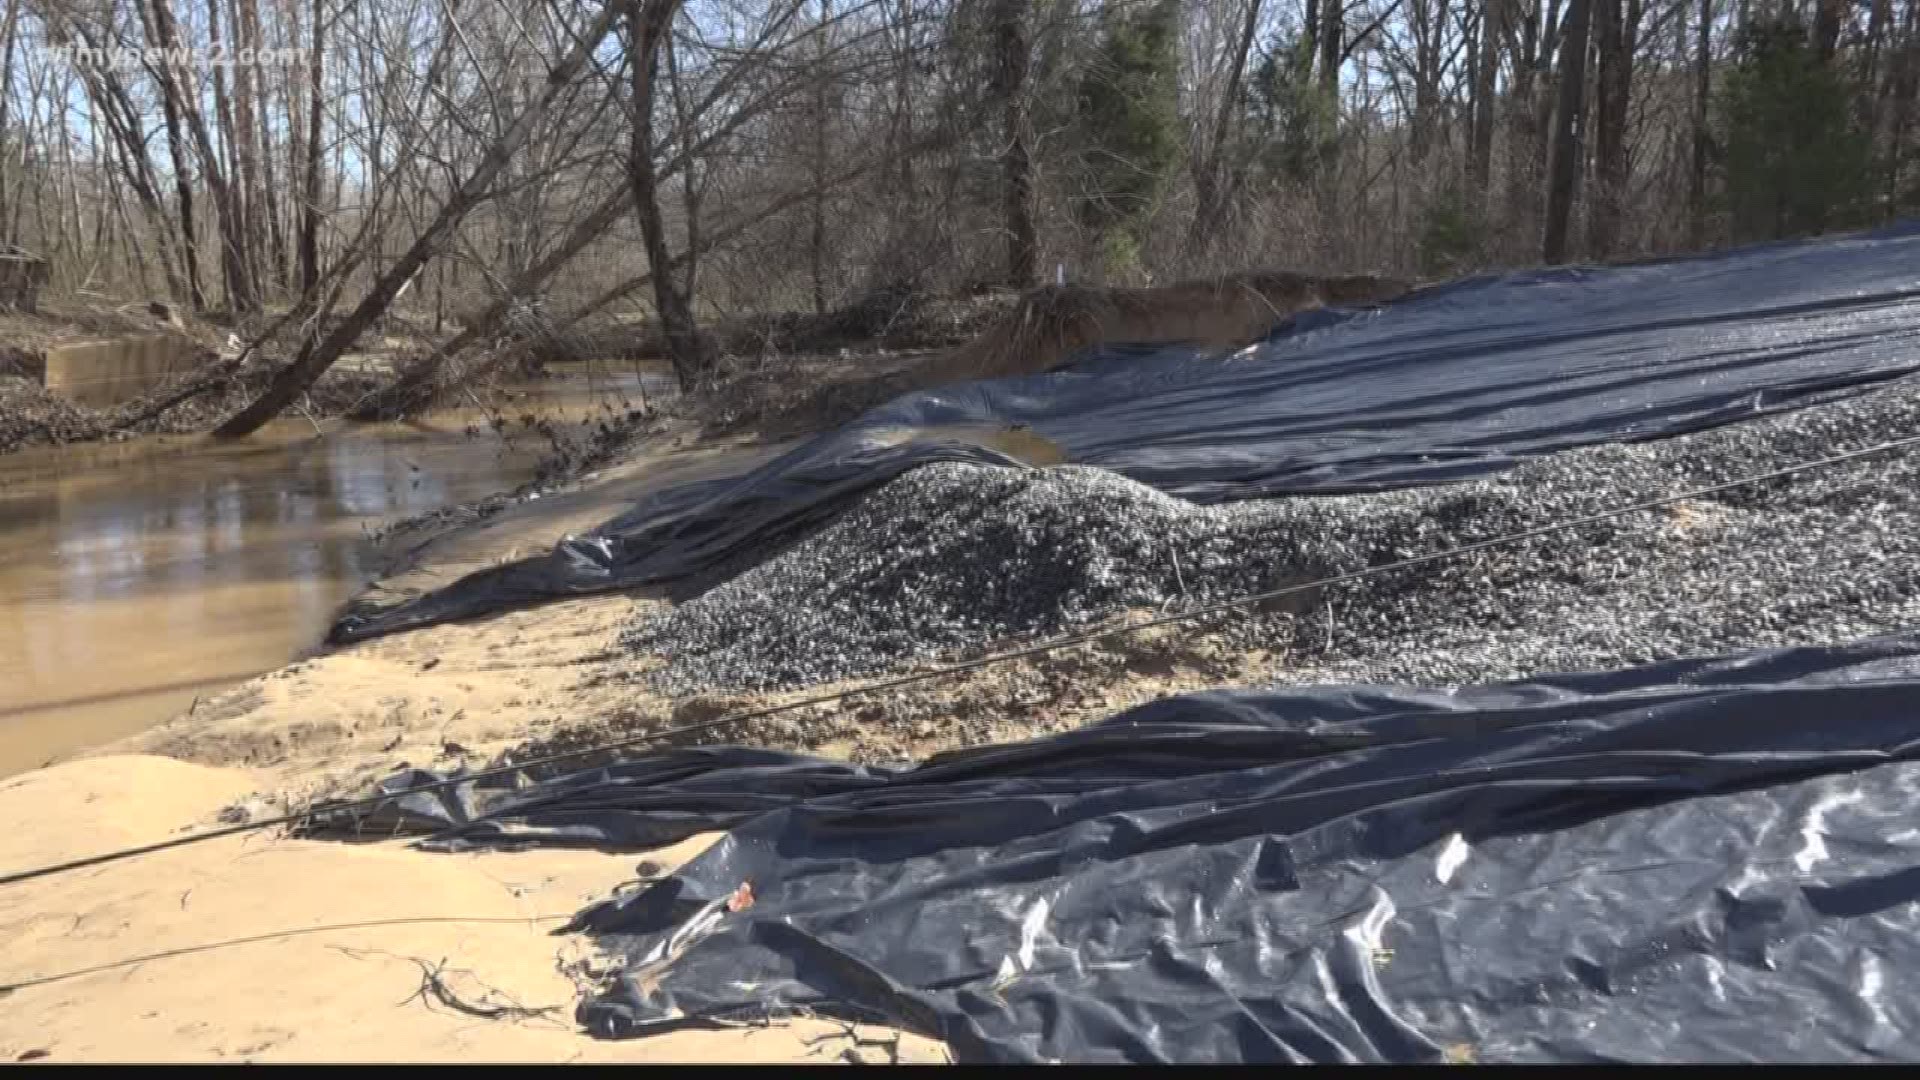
(318, 166)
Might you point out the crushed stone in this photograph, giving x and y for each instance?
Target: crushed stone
(951, 559)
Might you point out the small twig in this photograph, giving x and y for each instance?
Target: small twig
(304, 409)
(433, 987)
(851, 1055)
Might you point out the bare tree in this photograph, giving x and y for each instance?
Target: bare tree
(1014, 49)
(9, 38)
(1697, 162)
(309, 243)
(647, 24)
(1214, 181)
(1567, 128)
(320, 352)
(800, 151)
(1616, 22)
(1493, 15)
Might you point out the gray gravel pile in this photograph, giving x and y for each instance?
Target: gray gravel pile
(956, 557)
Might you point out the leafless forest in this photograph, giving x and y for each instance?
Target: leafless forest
(312, 167)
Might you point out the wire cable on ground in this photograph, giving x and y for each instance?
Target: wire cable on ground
(273, 935)
(1036, 649)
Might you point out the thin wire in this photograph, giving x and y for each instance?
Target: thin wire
(271, 935)
(1049, 645)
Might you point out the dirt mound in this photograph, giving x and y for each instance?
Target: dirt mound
(885, 319)
(1049, 325)
(1035, 333)
(799, 395)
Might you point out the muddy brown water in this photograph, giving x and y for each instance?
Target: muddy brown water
(136, 577)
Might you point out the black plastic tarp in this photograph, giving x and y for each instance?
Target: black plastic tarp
(1698, 860)
(1449, 383)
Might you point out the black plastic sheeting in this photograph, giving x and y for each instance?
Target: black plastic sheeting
(1446, 384)
(1698, 860)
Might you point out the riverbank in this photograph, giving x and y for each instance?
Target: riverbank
(379, 952)
(382, 952)
(473, 928)
(574, 673)
(996, 540)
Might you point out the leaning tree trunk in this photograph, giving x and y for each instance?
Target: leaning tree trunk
(427, 379)
(420, 381)
(319, 353)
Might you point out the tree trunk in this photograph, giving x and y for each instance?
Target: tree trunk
(114, 109)
(318, 354)
(692, 188)
(1480, 152)
(310, 178)
(1428, 39)
(1564, 165)
(817, 241)
(1015, 54)
(9, 32)
(1213, 180)
(1904, 82)
(224, 212)
(647, 24)
(1615, 22)
(1333, 20)
(415, 382)
(427, 378)
(1827, 17)
(250, 122)
(1523, 41)
(1879, 22)
(1702, 96)
(236, 234)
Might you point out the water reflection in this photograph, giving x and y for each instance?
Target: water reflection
(137, 575)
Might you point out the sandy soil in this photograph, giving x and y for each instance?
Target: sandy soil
(262, 947)
(280, 962)
(259, 948)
